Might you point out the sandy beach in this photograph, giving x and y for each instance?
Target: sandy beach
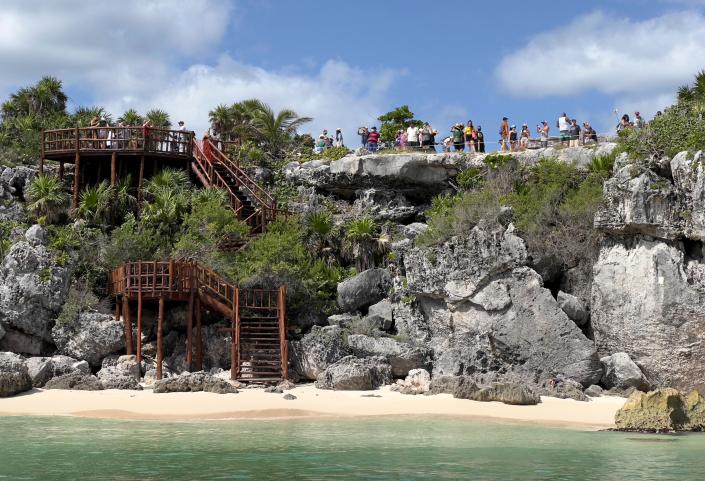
(257, 404)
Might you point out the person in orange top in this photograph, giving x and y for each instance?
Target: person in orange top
(504, 134)
(207, 149)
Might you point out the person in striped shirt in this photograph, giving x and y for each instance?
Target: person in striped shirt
(373, 140)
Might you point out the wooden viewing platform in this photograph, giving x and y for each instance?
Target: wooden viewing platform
(259, 349)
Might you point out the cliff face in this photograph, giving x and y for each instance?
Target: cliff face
(648, 293)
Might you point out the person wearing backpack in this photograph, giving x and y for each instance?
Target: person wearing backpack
(480, 140)
(426, 136)
(458, 137)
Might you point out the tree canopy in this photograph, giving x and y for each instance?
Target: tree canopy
(395, 120)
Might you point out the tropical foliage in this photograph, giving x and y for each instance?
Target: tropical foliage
(395, 120)
(47, 198)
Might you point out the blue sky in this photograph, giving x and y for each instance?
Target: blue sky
(345, 63)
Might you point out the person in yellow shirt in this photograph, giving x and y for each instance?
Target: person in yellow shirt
(469, 132)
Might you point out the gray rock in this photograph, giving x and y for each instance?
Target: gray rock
(449, 384)
(401, 356)
(14, 376)
(19, 342)
(289, 397)
(493, 297)
(593, 391)
(114, 379)
(573, 308)
(355, 374)
(563, 388)
(274, 390)
(36, 235)
(384, 205)
(647, 301)
(91, 337)
(459, 268)
(32, 289)
(363, 290)
(318, 349)
(413, 230)
(622, 373)
(381, 314)
(194, 382)
(42, 369)
(76, 381)
(507, 393)
(344, 321)
(286, 385)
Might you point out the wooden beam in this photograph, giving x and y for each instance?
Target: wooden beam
(235, 337)
(128, 324)
(139, 330)
(284, 347)
(76, 180)
(113, 169)
(189, 329)
(140, 181)
(61, 169)
(160, 338)
(199, 336)
(41, 156)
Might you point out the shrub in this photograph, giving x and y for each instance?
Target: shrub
(470, 179)
(47, 198)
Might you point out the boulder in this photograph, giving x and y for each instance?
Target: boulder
(647, 302)
(354, 374)
(344, 321)
(288, 397)
(594, 391)
(573, 308)
(42, 369)
(459, 268)
(363, 290)
(76, 381)
(194, 382)
(563, 388)
(449, 384)
(402, 357)
(32, 287)
(123, 373)
(695, 409)
(380, 314)
(274, 390)
(662, 410)
(91, 337)
(621, 372)
(21, 343)
(317, 350)
(418, 381)
(507, 393)
(14, 376)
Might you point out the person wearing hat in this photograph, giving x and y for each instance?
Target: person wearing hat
(458, 137)
(320, 144)
(338, 137)
(638, 120)
(373, 140)
(504, 134)
(480, 140)
(524, 137)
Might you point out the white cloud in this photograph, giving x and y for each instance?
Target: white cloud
(610, 55)
(165, 54)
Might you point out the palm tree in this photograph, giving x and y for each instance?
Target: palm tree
(159, 118)
(275, 128)
(48, 96)
(47, 198)
(95, 204)
(221, 119)
(362, 245)
(165, 210)
(318, 227)
(82, 116)
(131, 118)
(123, 202)
(167, 180)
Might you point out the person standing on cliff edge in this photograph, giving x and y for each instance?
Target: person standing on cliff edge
(364, 134)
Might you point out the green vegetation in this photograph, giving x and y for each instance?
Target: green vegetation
(395, 120)
(47, 198)
(363, 245)
(552, 206)
(680, 128)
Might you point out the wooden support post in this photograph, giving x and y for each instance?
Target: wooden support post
(76, 180)
(199, 336)
(118, 309)
(140, 181)
(113, 169)
(61, 170)
(139, 330)
(284, 347)
(160, 338)
(41, 156)
(128, 324)
(189, 328)
(235, 337)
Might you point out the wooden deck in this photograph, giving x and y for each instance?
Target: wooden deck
(259, 349)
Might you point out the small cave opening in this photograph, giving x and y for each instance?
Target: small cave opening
(693, 250)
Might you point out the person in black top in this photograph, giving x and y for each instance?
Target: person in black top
(480, 142)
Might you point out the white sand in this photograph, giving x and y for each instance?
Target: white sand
(256, 404)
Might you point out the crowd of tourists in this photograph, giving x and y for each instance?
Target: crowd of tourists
(325, 141)
(122, 136)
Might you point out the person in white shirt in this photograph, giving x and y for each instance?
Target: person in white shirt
(563, 125)
(412, 134)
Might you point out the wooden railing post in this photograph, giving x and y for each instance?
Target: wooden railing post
(235, 336)
(41, 155)
(160, 337)
(284, 348)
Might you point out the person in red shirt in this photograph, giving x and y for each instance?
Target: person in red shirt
(373, 140)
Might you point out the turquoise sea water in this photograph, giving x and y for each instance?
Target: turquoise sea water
(403, 448)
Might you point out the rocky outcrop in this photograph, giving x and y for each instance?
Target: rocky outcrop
(14, 182)
(42, 369)
(76, 381)
(317, 350)
(457, 269)
(621, 372)
(402, 357)
(32, 289)
(573, 308)
(14, 376)
(647, 302)
(363, 290)
(380, 315)
(504, 392)
(92, 336)
(663, 410)
(355, 374)
(124, 373)
(418, 381)
(194, 382)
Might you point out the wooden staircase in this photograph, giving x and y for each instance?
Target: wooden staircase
(258, 322)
